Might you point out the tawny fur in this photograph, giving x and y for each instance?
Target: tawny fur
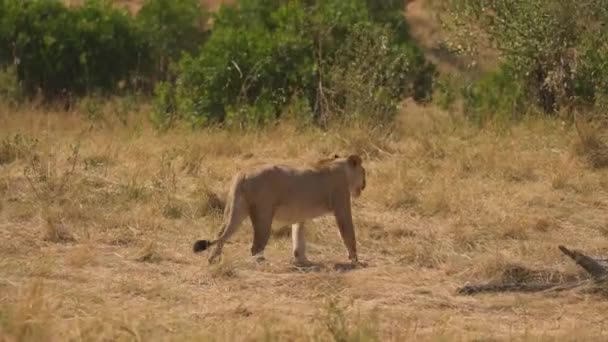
(291, 195)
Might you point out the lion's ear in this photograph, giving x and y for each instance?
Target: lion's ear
(354, 160)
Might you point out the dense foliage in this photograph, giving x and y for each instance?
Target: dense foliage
(332, 56)
(170, 27)
(93, 47)
(56, 49)
(331, 59)
(310, 60)
(556, 51)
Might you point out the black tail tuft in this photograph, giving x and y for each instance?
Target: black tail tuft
(201, 245)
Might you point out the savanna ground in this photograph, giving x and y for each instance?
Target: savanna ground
(98, 213)
(98, 220)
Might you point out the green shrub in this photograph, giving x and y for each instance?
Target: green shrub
(591, 81)
(252, 56)
(10, 92)
(497, 96)
(446, 91)
(390, 12)
(92, 47)
(298, 111)
(331, 53)
(170, 27)
(163, 112)
(555, 49)
(371, 73)
(9, 12)
(262, 111)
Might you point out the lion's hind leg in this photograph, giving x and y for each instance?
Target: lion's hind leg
(236, 212)
(261, 220)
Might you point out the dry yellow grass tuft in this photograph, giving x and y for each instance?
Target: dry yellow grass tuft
(593, 141)
(81, 256)
(55, 231)
(446, 203)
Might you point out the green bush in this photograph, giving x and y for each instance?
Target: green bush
(390, 12)
(252, 56)
(162, 115)
(555, 49)
(371, 73)
(170, 27)
(7, 28)
(10, 92)
(446, 90)
(95, 47)
(330, 52)
(92, 47)
(497, 97)
(591, 81)
(343, 59)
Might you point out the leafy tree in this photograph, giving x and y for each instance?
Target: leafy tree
(171, 27)
(58, 49)
(557, 49)
(331, 54)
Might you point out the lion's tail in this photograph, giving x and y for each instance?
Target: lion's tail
(201, 245)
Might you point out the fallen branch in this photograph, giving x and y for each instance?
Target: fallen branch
(597, 269)
(515, 287)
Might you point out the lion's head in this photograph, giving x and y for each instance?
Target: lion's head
(355, 174)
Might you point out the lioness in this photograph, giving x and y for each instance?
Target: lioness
(292, 196)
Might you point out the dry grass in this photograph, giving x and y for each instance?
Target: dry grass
(593, 141)
(96, 245)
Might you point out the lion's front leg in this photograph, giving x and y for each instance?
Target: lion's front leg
(299, 244)
(344, 220)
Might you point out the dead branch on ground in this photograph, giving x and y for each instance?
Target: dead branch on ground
(596, 268)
